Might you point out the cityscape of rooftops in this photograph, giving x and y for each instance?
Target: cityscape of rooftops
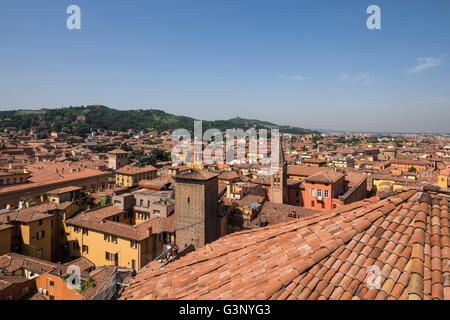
(232, 151)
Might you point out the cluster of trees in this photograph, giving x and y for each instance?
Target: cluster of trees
(156, 155)
(80, 121)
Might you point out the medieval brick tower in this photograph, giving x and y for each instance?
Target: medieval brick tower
(278, 186)
(196, 208)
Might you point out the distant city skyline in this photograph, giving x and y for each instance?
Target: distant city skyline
(298, 63)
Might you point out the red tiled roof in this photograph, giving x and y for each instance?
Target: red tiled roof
(12, 262)
(63, 190)
(136, 232)
(325, 177)
(305, 171)
(118, 151)
(135, 170)
(228, 175)
(405, 238)
(195, 174)
(34, 213)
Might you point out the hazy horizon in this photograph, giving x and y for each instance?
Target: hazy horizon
(297, 63)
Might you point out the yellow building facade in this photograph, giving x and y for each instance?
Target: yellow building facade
(130, 176)
(111, 249)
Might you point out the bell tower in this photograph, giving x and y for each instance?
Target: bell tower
(278, 186)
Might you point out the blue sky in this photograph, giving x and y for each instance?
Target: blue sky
(311, 64)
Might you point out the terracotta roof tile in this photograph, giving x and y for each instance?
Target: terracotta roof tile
(399, 235)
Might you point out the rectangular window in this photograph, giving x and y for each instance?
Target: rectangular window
(114, 239)
(133, 244)
(141, 203)
(156, 212)
(85, 231)
(319, 192)
(107, 256)
(52, 284)
(85, 249)
(106, 237)
(76, 229)
(327, 194)
(40, 222)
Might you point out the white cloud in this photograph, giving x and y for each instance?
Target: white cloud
(297, 77)
(425, 63)
(363, 79)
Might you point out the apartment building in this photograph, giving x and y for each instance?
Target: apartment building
(46, 177)
(111, 243)
(129, 176)
(12, 177)
(404, 165)
(36, 231)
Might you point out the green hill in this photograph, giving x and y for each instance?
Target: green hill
(80, 121)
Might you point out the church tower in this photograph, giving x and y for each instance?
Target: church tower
(279, 177)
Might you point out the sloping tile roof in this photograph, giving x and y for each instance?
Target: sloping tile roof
(195, 174)
(30, 214)
(228, 175)
(129, 170)
(136, 232)
(305, 171)
(63, 190)
(12, 262)
(404, 239)
(325, 177)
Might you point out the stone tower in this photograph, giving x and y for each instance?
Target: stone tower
(196, 208)
(278, 186)
(117, 159)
